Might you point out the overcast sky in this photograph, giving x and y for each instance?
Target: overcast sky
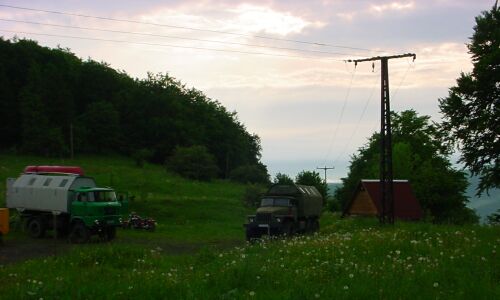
(309, 107)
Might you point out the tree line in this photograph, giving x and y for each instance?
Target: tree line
(50, 97)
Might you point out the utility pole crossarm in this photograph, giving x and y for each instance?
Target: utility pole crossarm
(325, 168)
(383, 57)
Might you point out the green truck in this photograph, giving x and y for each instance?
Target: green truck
(61, 198)
(286, 210)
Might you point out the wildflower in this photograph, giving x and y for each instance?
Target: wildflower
(252, 293)
(316, 295)
(346, 287)
(435, 284)
(351, 275)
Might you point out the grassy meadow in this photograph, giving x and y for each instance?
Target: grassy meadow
(350, 258)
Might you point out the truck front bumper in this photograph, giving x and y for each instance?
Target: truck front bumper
(256, 230)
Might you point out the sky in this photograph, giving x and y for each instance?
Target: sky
(310, 108)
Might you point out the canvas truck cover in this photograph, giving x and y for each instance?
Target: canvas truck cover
(44, 192)
(309, 200)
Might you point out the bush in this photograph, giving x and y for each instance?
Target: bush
(193, 162)
(250, 174)
(141, 156)
(252, 195)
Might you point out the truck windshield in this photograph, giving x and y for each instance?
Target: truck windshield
(275, 202)
(102, 196)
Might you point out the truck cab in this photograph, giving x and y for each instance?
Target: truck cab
(96, 207)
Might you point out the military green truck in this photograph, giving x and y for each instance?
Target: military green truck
(61, 198)
(286, 210)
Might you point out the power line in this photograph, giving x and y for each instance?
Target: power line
(346, 145)
(171, 37)
(341, 116)
(188, 28)
(169, 45)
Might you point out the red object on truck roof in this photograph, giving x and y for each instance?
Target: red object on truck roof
(54, 169)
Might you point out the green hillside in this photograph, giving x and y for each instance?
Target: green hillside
(199, 251)
(186, 210)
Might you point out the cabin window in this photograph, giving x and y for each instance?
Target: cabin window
(32, 180)
(63, 182)
(47, 182)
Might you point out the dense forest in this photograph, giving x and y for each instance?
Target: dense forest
(49, 97)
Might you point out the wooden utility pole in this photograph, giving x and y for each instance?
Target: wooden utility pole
(386, 175)
(325, 168)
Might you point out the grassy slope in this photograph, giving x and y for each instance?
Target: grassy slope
(352, 258)
(187, 211)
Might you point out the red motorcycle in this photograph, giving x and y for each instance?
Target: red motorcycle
(137, 222)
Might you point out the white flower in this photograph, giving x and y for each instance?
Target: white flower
(435, 284)
(346, 287)
(351, 275)
(252, 293)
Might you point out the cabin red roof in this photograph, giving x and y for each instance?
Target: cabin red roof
(406, 205)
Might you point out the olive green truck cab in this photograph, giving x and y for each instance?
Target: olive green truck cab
(286, 210)
(71, 204)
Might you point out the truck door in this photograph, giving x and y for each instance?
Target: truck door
(79, 206)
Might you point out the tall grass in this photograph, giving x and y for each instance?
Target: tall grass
(349, 259)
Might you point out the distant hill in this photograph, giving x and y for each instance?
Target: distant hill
(484, 205)
(332, 187)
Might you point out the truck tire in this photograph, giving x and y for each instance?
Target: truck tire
(288, 228)
(251, 235)
(36, 227)
(315, 225)
(110, 233)
(79, 233)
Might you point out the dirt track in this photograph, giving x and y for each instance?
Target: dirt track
(21, 247)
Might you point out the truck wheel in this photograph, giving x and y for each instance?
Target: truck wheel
(79, 234)
(252, 235)
(288, 228)
(110, 233)
(315, 225)
(36, 227)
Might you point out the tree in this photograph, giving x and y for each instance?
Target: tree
(472, 109)
(419, 157)
(494, 218)
(250, 174)
(282, 179)
(312, 178)
(193, 162)
(101, 123)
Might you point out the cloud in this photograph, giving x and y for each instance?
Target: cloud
(241, 18)
(393, 6)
